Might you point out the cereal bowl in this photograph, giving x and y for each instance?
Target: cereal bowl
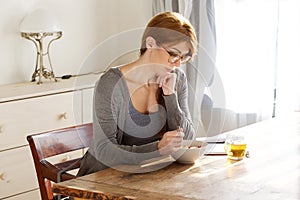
(190, 151)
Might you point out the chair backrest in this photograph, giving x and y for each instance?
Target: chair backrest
(47, 144)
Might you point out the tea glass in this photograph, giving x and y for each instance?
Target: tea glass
(235, 146)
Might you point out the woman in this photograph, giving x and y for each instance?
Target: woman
(140, 108)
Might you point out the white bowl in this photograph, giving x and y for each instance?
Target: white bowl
(190, 151)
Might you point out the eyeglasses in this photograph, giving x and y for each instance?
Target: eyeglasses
(174, 57)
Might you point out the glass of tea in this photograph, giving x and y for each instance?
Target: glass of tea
(235, 146)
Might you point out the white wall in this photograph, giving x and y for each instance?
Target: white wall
(85, 24)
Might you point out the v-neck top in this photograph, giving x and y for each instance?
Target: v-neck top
(142, 128)
(122, 135)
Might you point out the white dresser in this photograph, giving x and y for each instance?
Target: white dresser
(27, 108)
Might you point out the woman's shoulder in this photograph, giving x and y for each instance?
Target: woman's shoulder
(113, 73)
(110, 78)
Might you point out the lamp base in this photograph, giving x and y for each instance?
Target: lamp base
(38, 73)
(40, 70)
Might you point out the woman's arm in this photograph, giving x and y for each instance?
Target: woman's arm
(178, 114)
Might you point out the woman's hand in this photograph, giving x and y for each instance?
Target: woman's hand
(167, 82)
(170, 142)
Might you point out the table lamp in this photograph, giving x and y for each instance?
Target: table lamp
(41, 28)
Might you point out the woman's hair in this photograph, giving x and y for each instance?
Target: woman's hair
(170, 28)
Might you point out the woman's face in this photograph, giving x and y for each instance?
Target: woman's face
(171, 56)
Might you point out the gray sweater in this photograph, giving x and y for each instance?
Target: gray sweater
(119, 137)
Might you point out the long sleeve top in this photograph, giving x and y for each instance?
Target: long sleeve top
(120, 138)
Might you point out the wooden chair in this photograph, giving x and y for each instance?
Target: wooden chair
(47, 144)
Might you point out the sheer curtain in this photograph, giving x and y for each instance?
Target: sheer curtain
(258, 57)
(240, 62)
(288, 62)
(246, 56)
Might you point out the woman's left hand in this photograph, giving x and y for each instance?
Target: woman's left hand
(167, 82)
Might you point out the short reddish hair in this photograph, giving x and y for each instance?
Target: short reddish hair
(170, 28)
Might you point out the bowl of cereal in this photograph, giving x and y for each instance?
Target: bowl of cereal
(190, 151)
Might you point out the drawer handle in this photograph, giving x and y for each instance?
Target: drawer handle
(2, 176)
(1, 129)
(63, 116)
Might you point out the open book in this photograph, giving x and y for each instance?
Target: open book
(215, 144)
(213, 139)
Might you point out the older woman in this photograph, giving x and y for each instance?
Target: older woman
(140, 108)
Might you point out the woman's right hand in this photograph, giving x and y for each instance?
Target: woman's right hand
(167, 82)
(170, 142)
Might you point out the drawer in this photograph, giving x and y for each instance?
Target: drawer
(17, 172)
(87, 105)
(21, 118)
(32, 195)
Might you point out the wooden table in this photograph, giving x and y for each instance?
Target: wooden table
(271, 172)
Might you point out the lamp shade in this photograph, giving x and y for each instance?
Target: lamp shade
(39, 21)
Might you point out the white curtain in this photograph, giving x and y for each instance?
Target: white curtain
(247, 68)
(246, 56)
(248, 63)
(288, 61)
(258, 56)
